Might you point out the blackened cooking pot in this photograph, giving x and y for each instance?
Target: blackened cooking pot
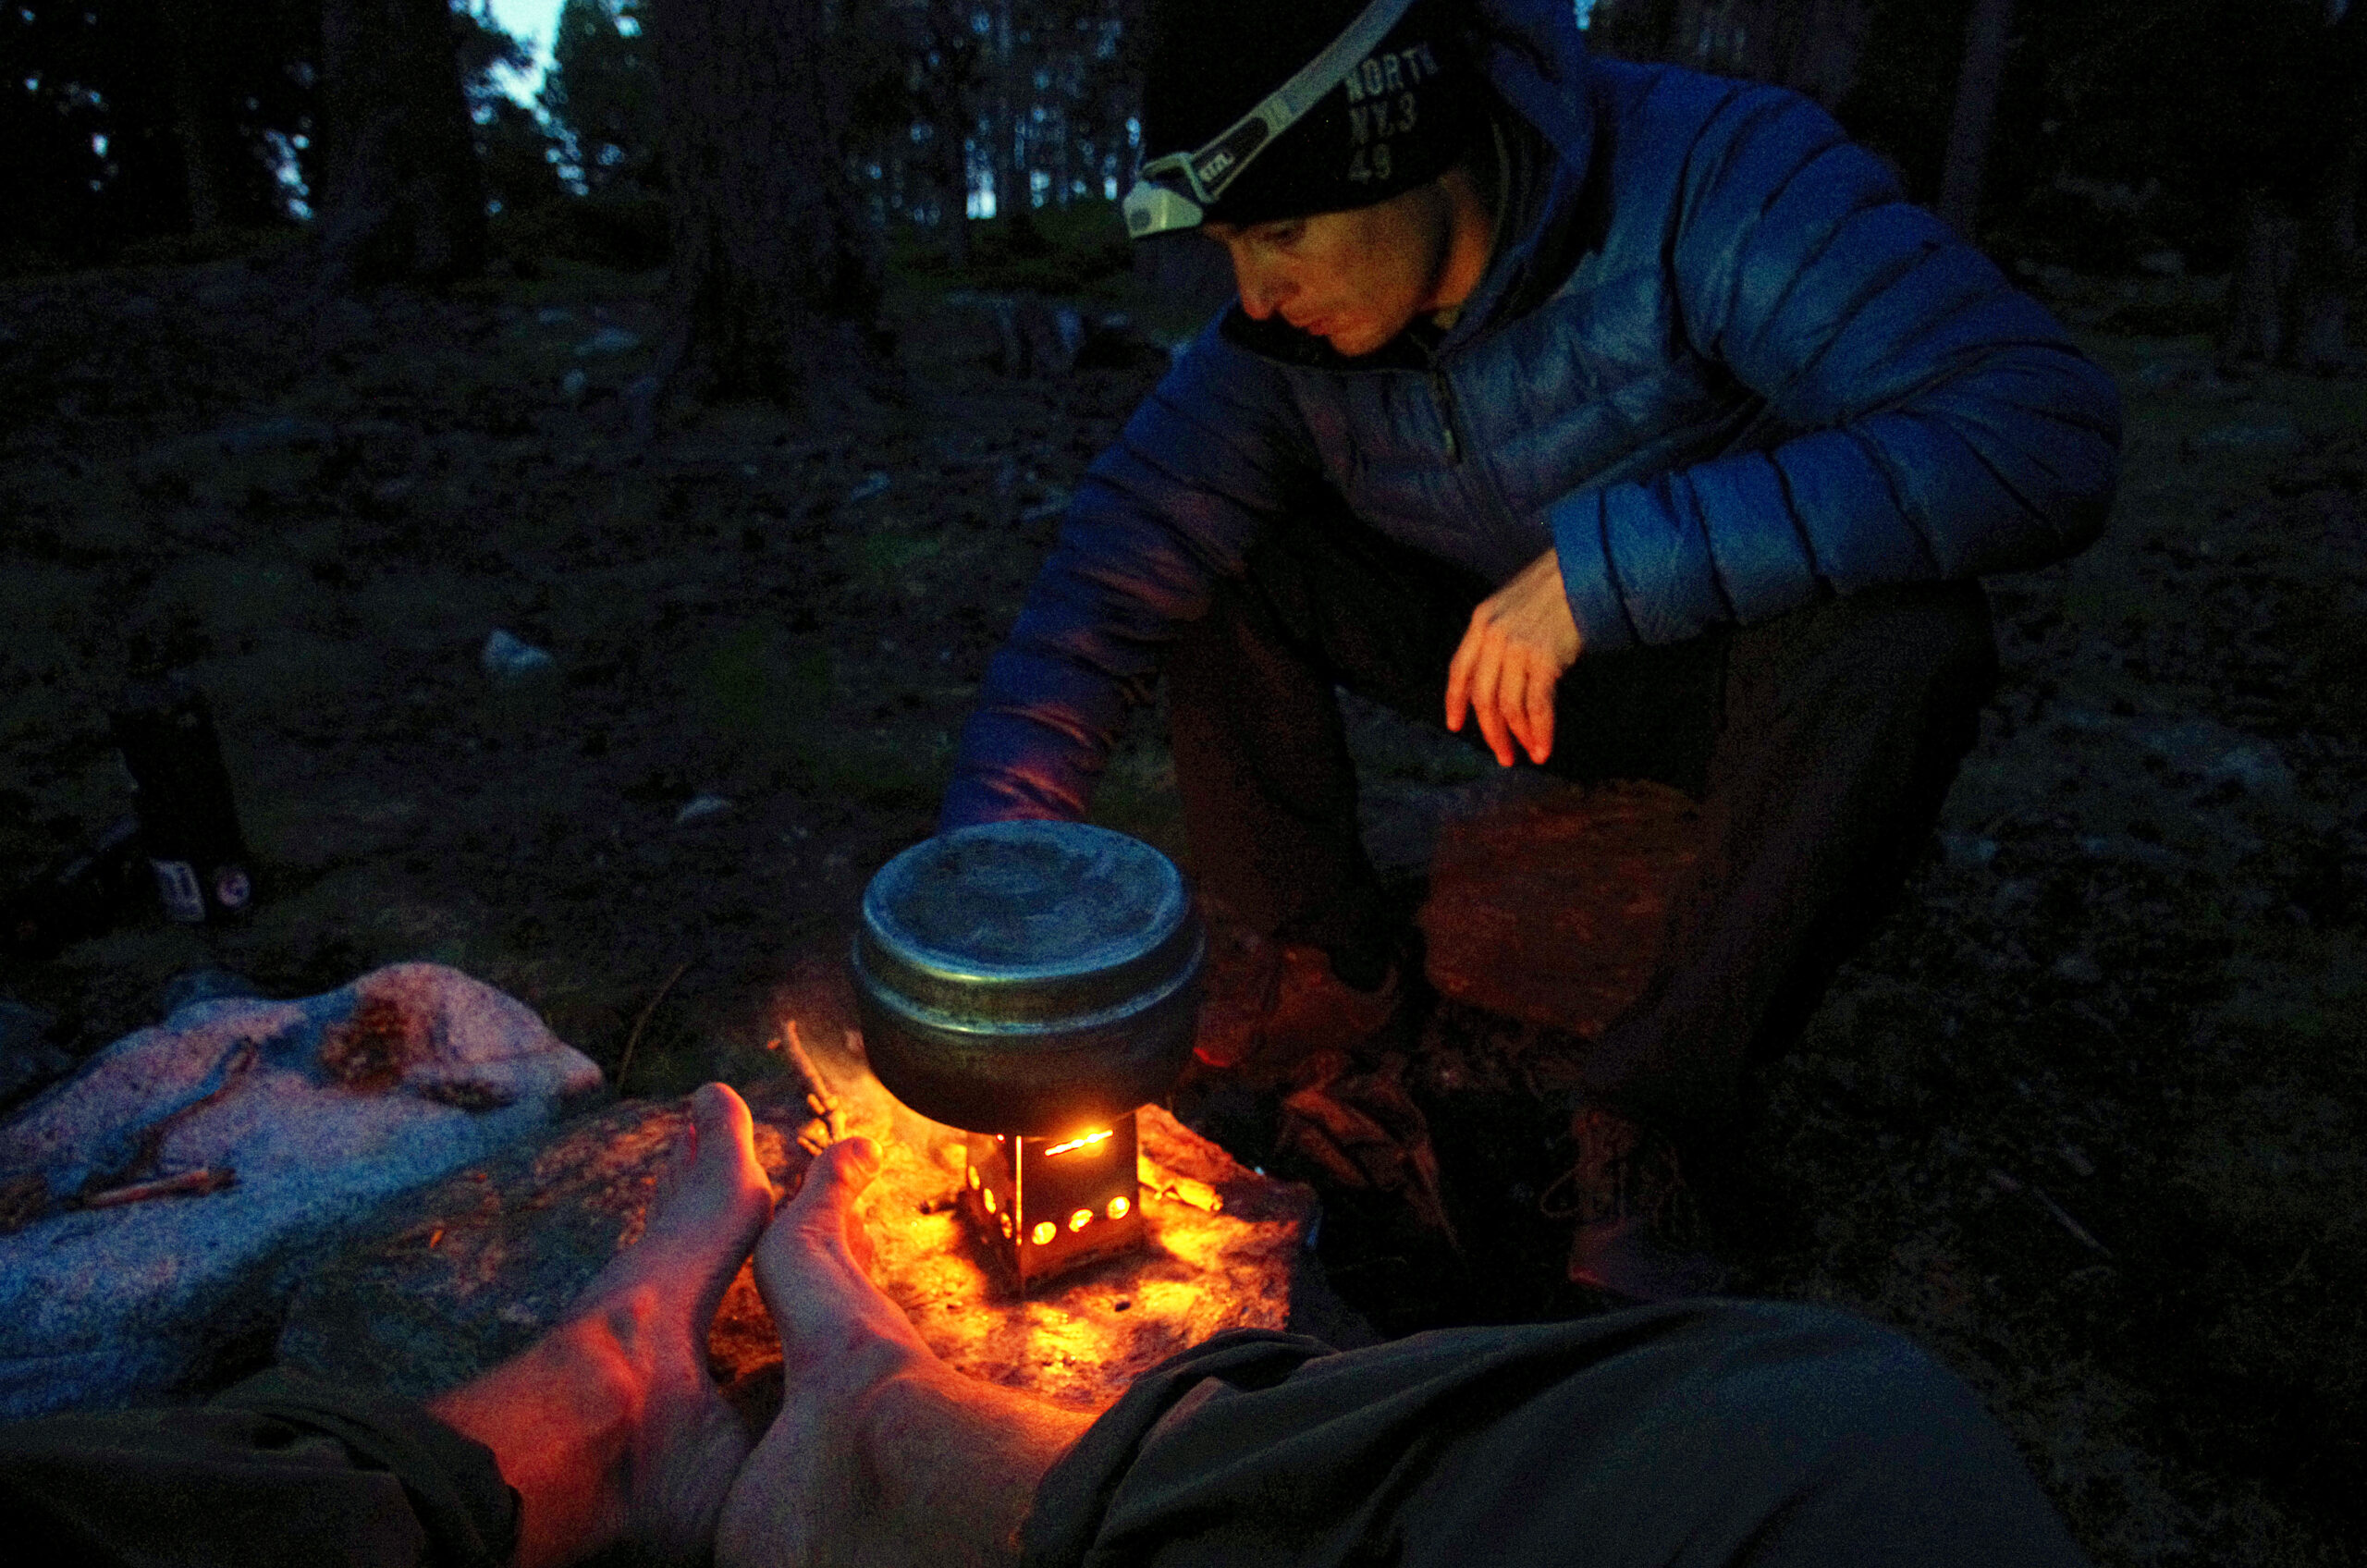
(1028, 977)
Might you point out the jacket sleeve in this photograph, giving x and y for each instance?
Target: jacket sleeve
(1924, 419)
(1177, 500)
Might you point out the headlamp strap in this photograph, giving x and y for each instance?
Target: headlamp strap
(1217, 164)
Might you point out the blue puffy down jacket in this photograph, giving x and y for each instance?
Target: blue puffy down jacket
(1716, 361)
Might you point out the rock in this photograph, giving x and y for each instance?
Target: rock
(2201, 747)
(510, 660)
(240, 1141)
(462, 1275)
(467, 1273)
(194, 985)
(1967, 852)
(2256, 768)
(2079, 969)
(1550, 910)
(609, 341)
(700, 808)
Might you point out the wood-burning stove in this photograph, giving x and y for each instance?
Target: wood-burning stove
(1032, 983)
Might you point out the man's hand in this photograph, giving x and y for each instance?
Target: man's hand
(1522, 637)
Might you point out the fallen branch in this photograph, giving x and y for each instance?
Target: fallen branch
(624, 1063)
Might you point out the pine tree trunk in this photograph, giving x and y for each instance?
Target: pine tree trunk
(1010, 200)
(954, 187)
(1642, 30)
(2329, 264)
(403, 198)
(1987, 42)
(2290, 301)
(950, 117)
(2325, 263)
(2258, 295)
(1823, 47)
(202, 127)
(776, 272)
(1060, 165)
(1809, 46)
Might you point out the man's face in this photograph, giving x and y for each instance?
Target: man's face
(1355, 279)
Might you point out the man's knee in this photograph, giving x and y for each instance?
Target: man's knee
(1895, 1459)
(1934, 640)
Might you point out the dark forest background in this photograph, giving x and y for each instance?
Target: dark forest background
(787, 152)
(328, 371)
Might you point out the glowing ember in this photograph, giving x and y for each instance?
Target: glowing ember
(1088, 1141)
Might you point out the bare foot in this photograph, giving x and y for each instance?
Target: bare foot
(609, 1426)
(882, 1453)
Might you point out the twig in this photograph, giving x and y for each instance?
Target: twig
(1161, 1182)
(819, 1097)
(2061, 1215)
(152, 1138)
(2063, 1218)
(195, 1183)
(624, 1064)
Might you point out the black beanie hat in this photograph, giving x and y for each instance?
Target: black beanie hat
(1404, 117)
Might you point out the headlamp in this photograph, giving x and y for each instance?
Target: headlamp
(1175, 191)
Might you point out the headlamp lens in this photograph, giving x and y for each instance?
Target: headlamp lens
(1155, 207)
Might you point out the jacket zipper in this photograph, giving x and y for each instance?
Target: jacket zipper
(1443, 390)
(1458, 443)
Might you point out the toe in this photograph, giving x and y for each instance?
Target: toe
(820, 1222)
(721, 1126)
(836, 1178)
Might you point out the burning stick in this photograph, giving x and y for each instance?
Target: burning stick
(819, 1098)
(1160, 1182)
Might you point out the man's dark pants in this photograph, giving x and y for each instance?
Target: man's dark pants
(1725, 1433)
(1819, 744)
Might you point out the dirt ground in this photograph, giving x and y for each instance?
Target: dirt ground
(2085, 1117)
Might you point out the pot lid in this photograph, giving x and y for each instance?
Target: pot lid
(1016, 921)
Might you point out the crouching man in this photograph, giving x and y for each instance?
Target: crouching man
(1624, 419)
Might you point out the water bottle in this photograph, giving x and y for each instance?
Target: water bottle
(187, 817)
